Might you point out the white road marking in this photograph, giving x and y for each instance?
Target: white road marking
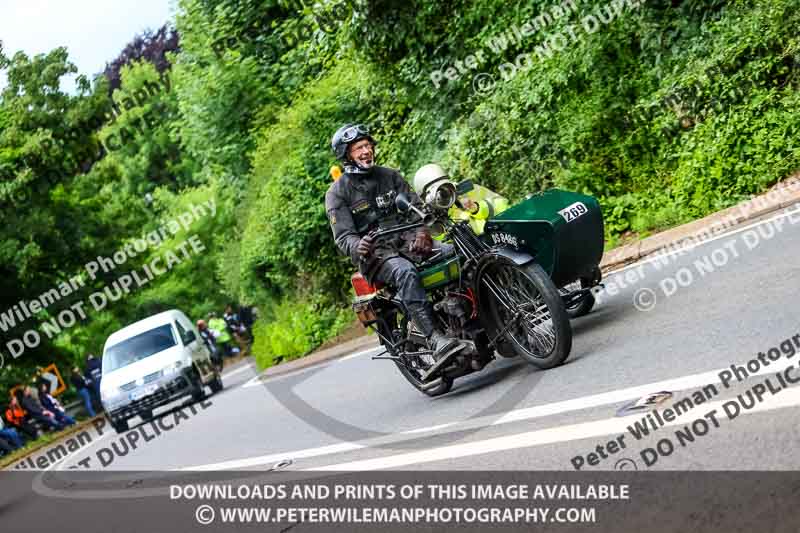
(597, 428)
(239, 371)
(610, 397)
(692, 381)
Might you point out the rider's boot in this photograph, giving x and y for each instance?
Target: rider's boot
(437, 341)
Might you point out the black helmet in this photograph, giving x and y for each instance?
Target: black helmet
(345, 136)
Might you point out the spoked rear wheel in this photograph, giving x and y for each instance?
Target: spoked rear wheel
(524, 301)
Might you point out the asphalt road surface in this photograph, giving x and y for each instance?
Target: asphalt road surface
(668, 326)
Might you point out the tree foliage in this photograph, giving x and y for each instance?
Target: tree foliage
(149, 46)
(666, 111)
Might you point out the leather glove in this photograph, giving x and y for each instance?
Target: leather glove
(423, 243)
(365, 245)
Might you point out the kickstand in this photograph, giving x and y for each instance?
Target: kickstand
(381, 357)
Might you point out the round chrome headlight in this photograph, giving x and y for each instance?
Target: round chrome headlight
(441, 196)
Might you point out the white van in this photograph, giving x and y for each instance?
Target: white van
(151, 363)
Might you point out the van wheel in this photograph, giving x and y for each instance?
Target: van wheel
(216, 384)
(199, 390)
(120, 425)
(146, 415)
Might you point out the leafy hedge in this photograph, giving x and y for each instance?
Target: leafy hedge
(669, 111)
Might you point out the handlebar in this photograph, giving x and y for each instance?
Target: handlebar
(386, 232)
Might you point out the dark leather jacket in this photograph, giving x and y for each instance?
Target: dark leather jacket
(358, 203)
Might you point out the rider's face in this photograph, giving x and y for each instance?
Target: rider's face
(362, 153)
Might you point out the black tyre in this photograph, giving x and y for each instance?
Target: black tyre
(146, 415)
(198, 389)
(216, 360)
(524, 300)
(582, 307)
(216, 384)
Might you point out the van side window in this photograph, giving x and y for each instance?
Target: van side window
(182, 333)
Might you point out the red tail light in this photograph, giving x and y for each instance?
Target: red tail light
(361, 286)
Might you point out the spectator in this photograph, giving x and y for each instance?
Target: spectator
(37, 412)
(5, 447)
(235, 326)
(246, 316)
(11, 436)
(209, 340)
(50, 403)
(39, 381)
(94, 373)
(82, 385)
(231, 319)
(220, 331)
(16, 417)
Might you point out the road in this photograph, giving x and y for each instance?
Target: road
(359, 414)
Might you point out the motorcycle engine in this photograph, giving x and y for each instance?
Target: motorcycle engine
(454, 306)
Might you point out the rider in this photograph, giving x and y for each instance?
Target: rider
(476, 206)
(360, 201)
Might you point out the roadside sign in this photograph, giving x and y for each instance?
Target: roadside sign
(53, 377)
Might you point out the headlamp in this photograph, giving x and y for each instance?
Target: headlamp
(441, 195)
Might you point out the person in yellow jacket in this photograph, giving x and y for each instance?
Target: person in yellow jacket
(223, 337)
(479, 204)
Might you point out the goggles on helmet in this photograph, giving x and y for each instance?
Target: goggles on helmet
(354, 132)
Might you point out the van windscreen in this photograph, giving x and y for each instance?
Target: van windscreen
(138, 347)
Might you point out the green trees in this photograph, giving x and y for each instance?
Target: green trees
(47, 139)
(664, 110)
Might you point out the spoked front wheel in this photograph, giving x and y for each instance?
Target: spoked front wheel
(525, 306)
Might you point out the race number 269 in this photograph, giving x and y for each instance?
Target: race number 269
(571, 212)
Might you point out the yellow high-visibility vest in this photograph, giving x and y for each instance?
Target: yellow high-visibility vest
(489, 204)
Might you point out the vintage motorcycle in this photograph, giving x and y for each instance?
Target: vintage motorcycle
(499, 292)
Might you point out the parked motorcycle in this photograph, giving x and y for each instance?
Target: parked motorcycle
(498, 292)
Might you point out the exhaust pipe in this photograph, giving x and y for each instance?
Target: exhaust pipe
(431, 384)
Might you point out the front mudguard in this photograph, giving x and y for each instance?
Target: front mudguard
(517, 257)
